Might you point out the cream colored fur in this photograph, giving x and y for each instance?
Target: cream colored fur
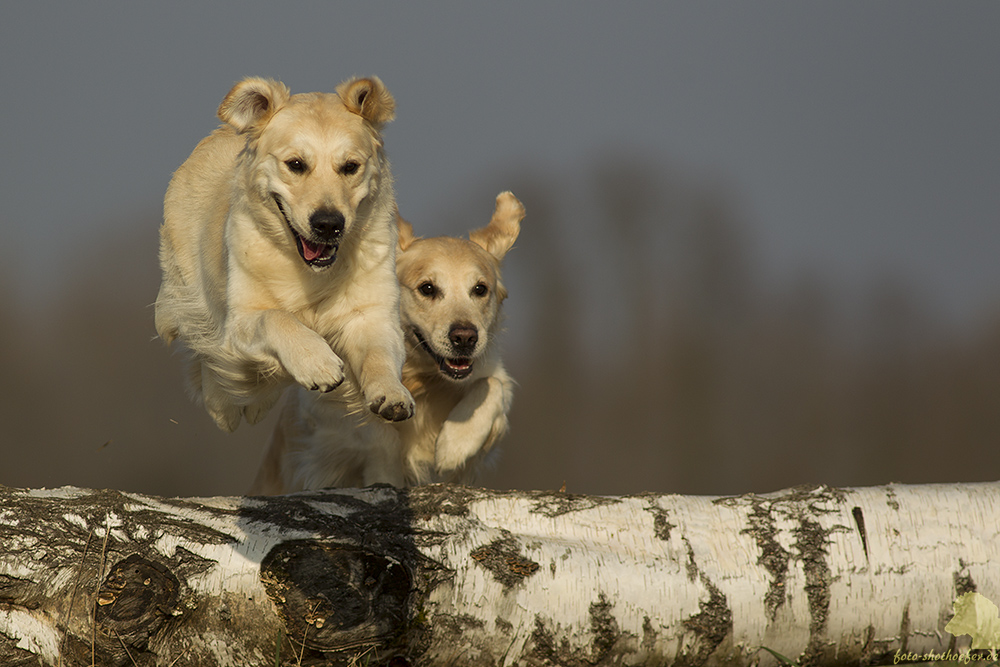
(278, 253)
(450, 287)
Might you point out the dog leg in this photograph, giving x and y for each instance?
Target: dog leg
(372, 343)
(475, 424)
(218, 403)
(304, 354)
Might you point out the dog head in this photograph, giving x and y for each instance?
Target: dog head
(313, 161)
(451, 291)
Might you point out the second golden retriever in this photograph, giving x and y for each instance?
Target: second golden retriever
(451, 298)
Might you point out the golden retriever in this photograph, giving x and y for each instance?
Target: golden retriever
(278, 253)
(451, 297)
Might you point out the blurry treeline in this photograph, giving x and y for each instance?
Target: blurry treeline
(650, 352)
(660, 359)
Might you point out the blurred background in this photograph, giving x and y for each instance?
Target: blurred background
(760, 250)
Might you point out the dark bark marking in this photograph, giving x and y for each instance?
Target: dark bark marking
(691, 566)
(797, 496)
(335, 597)
(544, 649)
(711, 625)
(890, 498)
(553, 504)
(543, 642)
(811, 543)
(859, 523)
(773, 557)
(661, 526)
(502, 557)
(604, 628)
(648, 634)
(433, 500)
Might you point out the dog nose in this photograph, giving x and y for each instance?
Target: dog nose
(327, 224)
(463, 337)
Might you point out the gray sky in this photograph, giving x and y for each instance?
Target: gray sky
(859, 139)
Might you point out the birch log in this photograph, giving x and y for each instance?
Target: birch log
(446, 575)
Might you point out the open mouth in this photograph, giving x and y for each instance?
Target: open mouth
(315, 254)
(457, 368)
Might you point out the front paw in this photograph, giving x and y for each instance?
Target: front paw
(394, 405)
(321, 371)
(460, 441)
(227, 417)
(454, 447)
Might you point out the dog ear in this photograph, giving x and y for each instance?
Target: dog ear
(252, 101)
(498, 236)
(406, 236)
(369, 99)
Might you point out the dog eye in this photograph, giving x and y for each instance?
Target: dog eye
(295, 165)
(427, 289)
(350, 167)
(480, 290)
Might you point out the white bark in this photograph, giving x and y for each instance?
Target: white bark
(445, 575)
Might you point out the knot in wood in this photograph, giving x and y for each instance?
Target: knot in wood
(335, 597)
(134, 600)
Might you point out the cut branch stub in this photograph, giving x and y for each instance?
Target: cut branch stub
(333, 597)
(133, 602)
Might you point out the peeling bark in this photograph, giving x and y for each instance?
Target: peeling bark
(448, 575)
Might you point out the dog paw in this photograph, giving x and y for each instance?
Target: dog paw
(218, 404)
(394, 407)
(323, 371)
(461, 441)
(454, 447)
(227, 417)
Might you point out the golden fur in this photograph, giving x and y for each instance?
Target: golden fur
(278, 253)
(451, 296)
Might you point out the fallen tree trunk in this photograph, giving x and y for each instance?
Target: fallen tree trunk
(446, 575)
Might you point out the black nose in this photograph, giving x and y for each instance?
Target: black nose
(327, 224)
(463, 337)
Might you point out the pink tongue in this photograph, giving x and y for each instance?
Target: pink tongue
(312, 250)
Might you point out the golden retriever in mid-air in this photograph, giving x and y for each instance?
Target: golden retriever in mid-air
(278, 253)
(451, 297)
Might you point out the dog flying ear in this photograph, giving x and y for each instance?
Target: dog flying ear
(369, 99)
(252, 102)
(406, 236)
(498, 236)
